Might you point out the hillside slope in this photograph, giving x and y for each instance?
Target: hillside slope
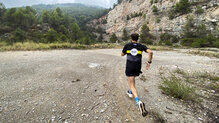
(132, 14)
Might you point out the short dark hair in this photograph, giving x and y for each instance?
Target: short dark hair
(135, 36)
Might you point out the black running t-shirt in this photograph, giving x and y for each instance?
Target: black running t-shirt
(134, 51)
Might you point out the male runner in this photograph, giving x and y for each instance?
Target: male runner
(133, 67)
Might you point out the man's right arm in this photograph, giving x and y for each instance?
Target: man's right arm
(122, 54)
(123, 51)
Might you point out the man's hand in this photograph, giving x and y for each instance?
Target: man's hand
(147, 66)
(122, 54)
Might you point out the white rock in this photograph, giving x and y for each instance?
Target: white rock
(93, 65)
(86, 115)
(199, 118)
(53, 118)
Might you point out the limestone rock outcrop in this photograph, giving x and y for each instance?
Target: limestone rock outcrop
(132, 14)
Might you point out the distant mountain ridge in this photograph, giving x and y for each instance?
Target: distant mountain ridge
(20, 3)
(102, 3)
(64, 5)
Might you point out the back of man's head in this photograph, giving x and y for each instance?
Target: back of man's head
(135, 36)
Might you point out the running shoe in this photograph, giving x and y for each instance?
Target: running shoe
(129, 93)
(141, 107)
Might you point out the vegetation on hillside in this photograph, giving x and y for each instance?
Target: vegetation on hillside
(48, 23)
(193, 35)
(182, 7)
(198, 35)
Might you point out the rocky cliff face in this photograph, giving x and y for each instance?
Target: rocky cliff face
(142, 11)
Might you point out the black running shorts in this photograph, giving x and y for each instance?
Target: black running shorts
(133, 68)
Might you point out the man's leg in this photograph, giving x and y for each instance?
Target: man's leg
(131, 80)
(135, 93)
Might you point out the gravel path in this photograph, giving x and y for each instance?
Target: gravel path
(88, 86)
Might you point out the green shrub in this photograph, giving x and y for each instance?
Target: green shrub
(154, 9)
(160, 42)
(196, 44)
(187, 41)
(188, 29)
(85, 40)
(149, 41)
(171, 14)
(128, 17)
(211, 39)
(145, 36)
(203, 42)
(168, 38)
(177, 88)
(208, 41)
(152, 1)
(158, 20)
(113, 38)
(51, 36)
(175, 39)
(216, 44)
(125, 35)
(63, 38)
(144, 16)
(165, 36)
(168, 43)
(201, 31)
(19, 35)
(104, 21)
(199, 10)
(182, 7)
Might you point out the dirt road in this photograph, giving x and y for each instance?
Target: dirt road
(87, 86)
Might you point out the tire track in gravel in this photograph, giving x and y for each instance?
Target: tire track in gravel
(118, 86)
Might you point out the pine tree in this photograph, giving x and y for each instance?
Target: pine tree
(2, 11)
(100, 38)
(75, 32)
(113, 38)
(51, 36)
(19, 35)
(45, 16)
(125, 36)
(145, 36)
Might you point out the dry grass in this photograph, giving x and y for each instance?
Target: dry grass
(160, 48)
(206, 75)
(27, 46)
(204, 53)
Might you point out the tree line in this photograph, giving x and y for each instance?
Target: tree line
(47, 25)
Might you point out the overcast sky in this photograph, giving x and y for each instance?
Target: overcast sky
(18, 3)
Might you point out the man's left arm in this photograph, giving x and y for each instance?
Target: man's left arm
(150, 56)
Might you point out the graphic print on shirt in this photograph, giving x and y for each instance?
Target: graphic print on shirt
(134, 52)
